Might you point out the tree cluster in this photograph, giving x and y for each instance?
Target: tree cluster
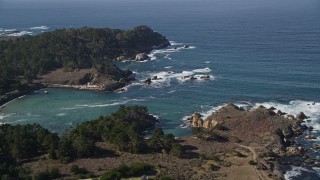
(23, 59)
(22, 142)
(125, 129)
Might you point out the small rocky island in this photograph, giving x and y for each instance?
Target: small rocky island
(78, 58)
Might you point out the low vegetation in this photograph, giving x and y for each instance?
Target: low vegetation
(124, 171)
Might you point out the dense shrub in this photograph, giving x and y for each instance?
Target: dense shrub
(124, 171)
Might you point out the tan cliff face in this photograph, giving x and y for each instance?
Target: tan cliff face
(197, 121)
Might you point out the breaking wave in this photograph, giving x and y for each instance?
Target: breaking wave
(40, 28)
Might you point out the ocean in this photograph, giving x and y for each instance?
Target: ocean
(255, 52)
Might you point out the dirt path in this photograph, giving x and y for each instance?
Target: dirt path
(255, 158)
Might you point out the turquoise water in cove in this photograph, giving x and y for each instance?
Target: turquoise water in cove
(255, 52)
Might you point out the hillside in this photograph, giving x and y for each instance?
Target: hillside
(26, 58)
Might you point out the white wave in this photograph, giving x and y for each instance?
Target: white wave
(110, 104)
(10, 30)
(3, 116)
(33, 115)
(168, 67)
(204, 70)
(20, 33)
(155, 116)
(165, 53)
(296, 171)
(174, 43)
(101, 105)
(170, 92)
(164, 78)
(40, 28)
(71, 108)
(309, 108)
(60, 114)
(207, 62)
(18, 121)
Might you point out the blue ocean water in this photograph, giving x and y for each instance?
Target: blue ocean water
(255, 51)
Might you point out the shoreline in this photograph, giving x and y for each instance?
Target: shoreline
(12, 96)
(277, 161)
(2, 106)
(19, 94)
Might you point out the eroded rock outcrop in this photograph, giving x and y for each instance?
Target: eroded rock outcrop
(141, 57)
(295, 151)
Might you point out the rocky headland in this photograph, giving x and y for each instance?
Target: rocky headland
(231, 143)
(73, 58)
(268, 133)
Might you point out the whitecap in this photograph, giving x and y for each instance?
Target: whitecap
(296, 171)
(71, 108)
(174, 43)
(168, 67)
(101, 105)
(309, 108)
(3, 116)
(60, 114)
(164, 78)
(33, 115)
(207, 62)
(170, 92)
(155, 116)
(166, 52)
(10, 30)
(39, 28)
(20, 33)
(20, 120)
(203, 70)
(115, 103)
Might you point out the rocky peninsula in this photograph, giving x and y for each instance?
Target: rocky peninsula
(73, 58)
(232, 143)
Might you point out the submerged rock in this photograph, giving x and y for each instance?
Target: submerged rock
(147, 81)
(205, 77)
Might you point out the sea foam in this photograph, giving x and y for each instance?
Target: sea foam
(296, 171)
(311, 109)
(40, 28)
(21, 33)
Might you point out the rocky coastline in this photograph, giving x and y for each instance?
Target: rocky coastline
(267, 131)
(8, 97)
